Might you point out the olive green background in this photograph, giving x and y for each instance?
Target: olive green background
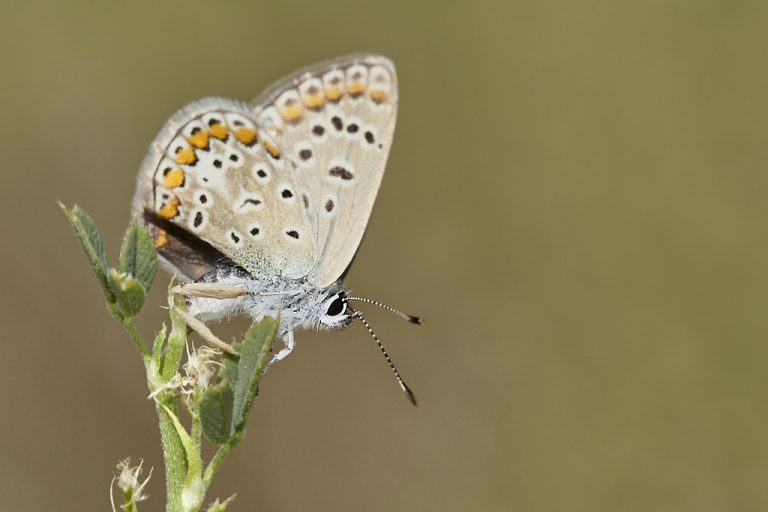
(575, 200)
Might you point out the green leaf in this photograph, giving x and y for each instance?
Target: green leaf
(194, 491)
(138, 256)
(93, 246)
(228, 370)
(129, 292)
(218, 402)
(254, 351)
(216, 412)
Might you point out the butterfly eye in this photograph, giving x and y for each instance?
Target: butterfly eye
(337, 307)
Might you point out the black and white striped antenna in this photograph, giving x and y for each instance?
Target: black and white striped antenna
(403, 385)
(413, 319)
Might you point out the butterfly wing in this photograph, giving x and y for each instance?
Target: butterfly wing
(334, 122)
(212, 178)
(284, 188)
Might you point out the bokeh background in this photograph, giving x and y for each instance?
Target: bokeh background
(575, 200)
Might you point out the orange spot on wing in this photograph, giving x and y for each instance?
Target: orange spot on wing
(186, 156)
(379, 96)
(161, 239)
(246, 136)
(173, 178)
(333, 93)
(271, 149)
(199, 140)
(356, 89)
(291, 112)
(219, 131)
(170, 209)
(314, 101)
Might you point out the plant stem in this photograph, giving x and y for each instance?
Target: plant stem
(157, 349)
(176, 342)
(197, 431)
(173, 453)
(219, 457)
(127, 324)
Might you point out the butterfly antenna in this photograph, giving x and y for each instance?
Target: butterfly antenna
(413, 319)
(400, 380)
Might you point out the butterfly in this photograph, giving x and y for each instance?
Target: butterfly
(260, 207)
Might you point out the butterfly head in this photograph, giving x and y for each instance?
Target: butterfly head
(334, 312)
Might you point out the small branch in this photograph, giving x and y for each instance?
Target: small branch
(127, 324)
(219, 457)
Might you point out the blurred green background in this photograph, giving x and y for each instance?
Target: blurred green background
(575, 200)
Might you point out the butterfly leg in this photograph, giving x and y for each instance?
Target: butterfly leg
(201, 329)
(211, 290)
(289, 344)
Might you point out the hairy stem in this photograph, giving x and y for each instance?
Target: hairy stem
(219, 457)
(197, 430)
(127, 324)
(173, 453)
(176, 342)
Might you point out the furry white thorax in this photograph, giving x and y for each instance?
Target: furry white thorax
(299, 304)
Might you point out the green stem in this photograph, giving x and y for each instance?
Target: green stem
(157, 349)
(197, 431)
(176, 342)
(219, 457)
(173, 453)
(128, 504)
(127, 324)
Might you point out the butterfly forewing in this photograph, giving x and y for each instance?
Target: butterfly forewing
(283, 188)
(218, 179)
